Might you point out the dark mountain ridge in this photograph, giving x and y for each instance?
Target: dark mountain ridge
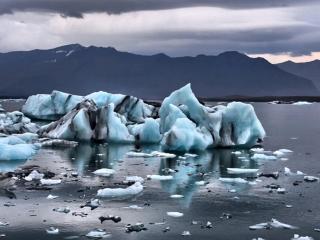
(82, 70)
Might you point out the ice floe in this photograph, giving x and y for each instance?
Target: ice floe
(274, 223)
(241, 170)
(132, 190)
(175, 214)
(105, 172)
(160, 177)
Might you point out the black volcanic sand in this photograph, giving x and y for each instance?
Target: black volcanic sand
(292, 127)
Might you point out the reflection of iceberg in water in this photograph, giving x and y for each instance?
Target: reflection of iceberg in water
(94, 156)
(212, 163)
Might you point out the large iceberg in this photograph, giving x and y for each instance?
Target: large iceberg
(55, 105)
(181, 123)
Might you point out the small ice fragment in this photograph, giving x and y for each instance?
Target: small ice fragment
(241, 170)
(300, 173)
(4, 224)
(186, 233)
(138, 227)
(50, 181)
(287, 171)
(257, 150)
(34, 175)
(288, 206)
(261, 156)
(233, 180)
(163, 154)
(139, 154)
(135, 207)
(200, 183)
(104, 172)
(209, 225)
(311, 179)
(176, 196)
(134, 179)
(159, 177)
(175, 214)
(98, 234)
(121, 192)
(281, 190)
(299, 103)
(52, 196)
(52, 230)
(282, 152)
(297, 237)
(190, 155)
(232, 190)
(276, 224)
(93, 204)
(236, 153)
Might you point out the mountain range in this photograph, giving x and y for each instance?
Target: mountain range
(82, 70)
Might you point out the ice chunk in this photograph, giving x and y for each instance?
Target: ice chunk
(233, 180)
(175, 214)
(52, 197)
(52, 230)
(160, 177)
(135, 207)
(16, 122)
(186, 233)
(105, 172)
(261, 156)
(18, 151)
(163, 154)
(98, 234)
(282, 152)
(301, 103)
(297, 237)
(139, 154)
(34, 175)
(241, 170)
(273, 223)
(50, 181)
(121, 192)
(176, 196)
(311, 179)
(134, 179)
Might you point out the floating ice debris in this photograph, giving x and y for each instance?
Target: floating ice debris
(16, 122)
(134, 179)
(105, 172)
(135, 207)
(93, 204)
(261, 156)
(139, 154)
(297, 237)
(301, 103)
(310, 179)
(241, 170)
(186, 233)
(289, 206)
(4, 224)
(52, 196)
(47, 142)
(233, 180)
(287, 171)
(34, 175)
(237, 153)
(282, 152)
(50, 181)
(190, 155)
(176, 196)
(9, 204)
(281, 190)
(52, 230)
(200, 183)
(209, 225)
(121, 192)
(175, 214)
(98, 234)
(259, 238)
(113, 218)
(274, 223)
(257, 150)
(300, 173)
(62, 210)
(160, 177)
(81, 214)
(163, 154)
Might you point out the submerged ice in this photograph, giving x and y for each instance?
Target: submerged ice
(181, 123)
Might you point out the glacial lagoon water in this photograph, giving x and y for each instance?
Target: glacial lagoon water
(231, 208)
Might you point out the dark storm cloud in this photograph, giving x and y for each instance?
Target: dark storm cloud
(76, 8)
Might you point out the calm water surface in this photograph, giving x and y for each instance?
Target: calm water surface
(287, 126)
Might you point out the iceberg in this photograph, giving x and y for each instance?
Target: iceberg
(16, 122)
(181, 123)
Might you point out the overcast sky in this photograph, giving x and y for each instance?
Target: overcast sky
(275, 29)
